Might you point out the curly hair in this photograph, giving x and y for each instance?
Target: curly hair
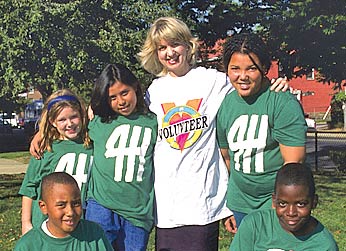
(247, 43)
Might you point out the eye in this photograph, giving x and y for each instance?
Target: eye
(176, 44)
(76, 204)
(75, 116)
(61, 205)
(302, 204)
(124, 93)
(60, 121)
(282, 204)
(161, 48)
(253, 68)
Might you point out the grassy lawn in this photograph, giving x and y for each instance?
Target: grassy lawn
(331, 210)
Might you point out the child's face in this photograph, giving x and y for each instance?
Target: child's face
(122, 98)
(68, 123)
(293, 207)
(245, 77)
(173, 57)
(64, 209)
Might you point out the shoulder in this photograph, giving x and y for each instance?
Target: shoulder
(260, 218)
(325, 236)
(281, 96)
(230, 99)
(208, 73)
(91, 230)
(27, 240)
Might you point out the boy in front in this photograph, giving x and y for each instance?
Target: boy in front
(64, 229)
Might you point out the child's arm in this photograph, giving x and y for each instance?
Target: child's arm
(26, 214)
(226, 158)
(35, 147)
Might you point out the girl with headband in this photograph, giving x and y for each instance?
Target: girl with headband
(66, 147)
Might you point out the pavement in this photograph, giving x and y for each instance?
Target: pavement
(10, 166)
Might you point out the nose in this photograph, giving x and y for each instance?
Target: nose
(69, 211)
(121, 101)
(170, 51)
(69, 122)
(291, 210)
(243, 74)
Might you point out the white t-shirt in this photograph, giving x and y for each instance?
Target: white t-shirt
(190, 174)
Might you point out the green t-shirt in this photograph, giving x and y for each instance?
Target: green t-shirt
(88, 236)
(252, 129)
(261, 231)
(122, 171)
(66, 156)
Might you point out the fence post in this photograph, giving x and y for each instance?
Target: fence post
(316, 156)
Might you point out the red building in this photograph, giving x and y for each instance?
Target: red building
(314, 96)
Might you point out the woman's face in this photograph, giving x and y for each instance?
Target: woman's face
(173, 57)
(122, 98)
(245, 77)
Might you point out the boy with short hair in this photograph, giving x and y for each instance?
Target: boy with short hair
(289, 225)
(64, 229)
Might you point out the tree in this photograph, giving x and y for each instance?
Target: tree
(304, 34)
(340, 100)
(309, 34)
(65, 44)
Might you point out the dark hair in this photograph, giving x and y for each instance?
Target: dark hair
(295, 174)
(56, 178)
(247, 43)
(111, 74)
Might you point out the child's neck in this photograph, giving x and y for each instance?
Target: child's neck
(307, 229)
(45, 229)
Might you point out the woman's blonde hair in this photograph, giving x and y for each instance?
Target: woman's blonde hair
(54, 104)
(171, 30)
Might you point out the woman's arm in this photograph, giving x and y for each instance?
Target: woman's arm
(292, 154)
(279, 84)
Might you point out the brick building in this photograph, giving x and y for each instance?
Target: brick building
(314, 96)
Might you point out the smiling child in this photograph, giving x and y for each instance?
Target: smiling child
(289, 225)
(64, 229)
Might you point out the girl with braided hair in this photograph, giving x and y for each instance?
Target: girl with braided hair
(263, 131)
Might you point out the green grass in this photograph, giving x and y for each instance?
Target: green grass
(331, 210)
(23, 157)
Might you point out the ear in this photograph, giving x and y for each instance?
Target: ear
(43, 207)
(273, 200)
(52, 123)
(314, 202)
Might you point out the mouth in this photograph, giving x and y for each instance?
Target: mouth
(71, 130)
(173, 60)
(292, 222)
(69, 223)
(244, 86)
(124, 109)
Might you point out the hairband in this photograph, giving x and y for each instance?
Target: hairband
(61, 98)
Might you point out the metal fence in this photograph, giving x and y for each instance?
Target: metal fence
(326, 151)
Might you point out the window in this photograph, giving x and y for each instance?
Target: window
(310, 75)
